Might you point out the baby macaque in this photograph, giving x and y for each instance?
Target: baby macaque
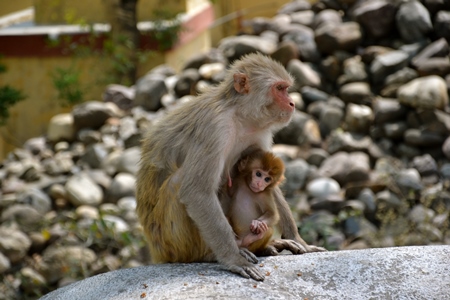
(253, 211)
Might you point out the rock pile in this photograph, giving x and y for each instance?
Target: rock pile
(367, 153)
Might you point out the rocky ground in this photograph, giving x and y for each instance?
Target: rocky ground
(367, 153)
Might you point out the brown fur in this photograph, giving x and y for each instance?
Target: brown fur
(263, 206)
(188, 155)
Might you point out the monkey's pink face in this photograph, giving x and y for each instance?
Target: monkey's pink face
(282, 100)
(260, 180)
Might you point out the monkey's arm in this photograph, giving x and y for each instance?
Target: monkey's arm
(291, 240)
(199, 184)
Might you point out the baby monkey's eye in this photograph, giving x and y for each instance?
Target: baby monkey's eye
(258, 173)
(279, 87)
(267, 179)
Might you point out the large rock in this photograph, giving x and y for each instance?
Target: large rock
(351, 274)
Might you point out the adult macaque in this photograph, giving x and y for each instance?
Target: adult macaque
(253, 212)
(188, 155)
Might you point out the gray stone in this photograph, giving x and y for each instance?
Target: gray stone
(294, 6)
(128, 162)
(234, 47)
(413, 21)
(305, 17)
(82, 190)
(417, 137)
(354, 70)
(61, 127)
(346, 36)
(120, 95)
(316, 156)
(400, 77)
(93, 114)
(327, 17)
(438, 48)
(386, 110)
(439, 66)
(186, 82)
(122, 185)
(377, 17)
(301, 130)
(149, 90)
(358, 118)
(305, 46)
(326, 275)
(356, 92)
(330, 119)
(322, 188)
(442, 24)
(424, 92)
(14, 244)
(425, 165)
(37, 199)
(346, 167)
(5, 264)
(304, 75)
(25, 215)
(95, 155)
(65, 259)
(296, 173)
(340, 140)
(388, 63)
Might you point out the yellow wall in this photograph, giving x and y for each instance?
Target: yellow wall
(93, 11)
(8, 7)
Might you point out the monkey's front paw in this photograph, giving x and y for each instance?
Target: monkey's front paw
(248, 255)
(247, 272)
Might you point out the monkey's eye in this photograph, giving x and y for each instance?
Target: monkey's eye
(258, 173)
(267, 179)
(279, 87)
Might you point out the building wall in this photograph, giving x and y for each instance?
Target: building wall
(32, 74)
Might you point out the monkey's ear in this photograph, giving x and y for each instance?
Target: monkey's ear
(242, 163)
(241, 83)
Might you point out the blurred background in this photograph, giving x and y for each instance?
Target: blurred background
(60, 52)
(367, 152)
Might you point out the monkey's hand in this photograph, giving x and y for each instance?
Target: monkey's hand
(247, 271)
(248, 255)
(258, 227)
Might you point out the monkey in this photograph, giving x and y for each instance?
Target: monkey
(187, 156)
(253, 212)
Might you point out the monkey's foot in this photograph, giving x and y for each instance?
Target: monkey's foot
(312, 248)
(294, 246)
(247, 272)
(291, 245)
(248, 255)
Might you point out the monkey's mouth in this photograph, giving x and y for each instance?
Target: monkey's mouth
(256, 189)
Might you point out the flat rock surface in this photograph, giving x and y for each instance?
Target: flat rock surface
(416, 272)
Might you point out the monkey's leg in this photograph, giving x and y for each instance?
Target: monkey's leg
(291, 240)
(171, 234)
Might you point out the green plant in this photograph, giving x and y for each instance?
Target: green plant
(8, 97)
(68, 84)
(167, 27)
